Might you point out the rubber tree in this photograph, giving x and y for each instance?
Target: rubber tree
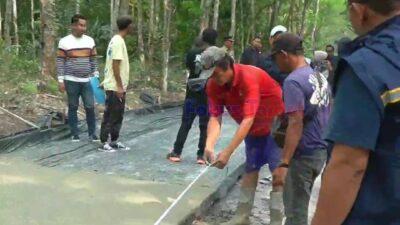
(33, 23)
(48, 39)
(166, 44)
(7, 23)
(1, 24)
(140, 34)
(233, 18)
(152, 31)
(205, 18)
(216, 14)
(114, 13)
(315, 25)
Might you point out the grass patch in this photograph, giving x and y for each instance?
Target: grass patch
(29, 88)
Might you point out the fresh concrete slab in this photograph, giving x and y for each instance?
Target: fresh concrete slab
(58, 182)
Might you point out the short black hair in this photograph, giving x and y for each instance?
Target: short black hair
(123, 22)
(228, 38)
(225, 63)
(210, 36)
(330, 46)
(383, 7)
(75, 18)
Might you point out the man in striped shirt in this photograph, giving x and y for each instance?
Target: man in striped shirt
(75, 65)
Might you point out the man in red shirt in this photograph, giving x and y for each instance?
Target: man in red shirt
(254, 100)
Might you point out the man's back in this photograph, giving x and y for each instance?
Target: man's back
(368, 86)
(116, 51)
(192, 56)
(252, 93)
(250, 56)
(307, 91)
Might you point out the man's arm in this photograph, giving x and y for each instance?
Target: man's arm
(61, 58)
(116, 65)
(340, 184)
(293, 135)
(93, 62)
(213, 132)
(240, 134)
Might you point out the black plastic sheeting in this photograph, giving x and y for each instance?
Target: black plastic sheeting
(150, 133)
(34, 136)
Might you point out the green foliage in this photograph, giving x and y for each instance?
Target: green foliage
(52, 87)
(29, 88)
(332, 25)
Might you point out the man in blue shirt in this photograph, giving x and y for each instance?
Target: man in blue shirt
(307, 106)
(361, 184)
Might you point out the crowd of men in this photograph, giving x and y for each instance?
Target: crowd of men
(357, 138)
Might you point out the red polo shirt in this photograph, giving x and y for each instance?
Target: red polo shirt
(253, 93)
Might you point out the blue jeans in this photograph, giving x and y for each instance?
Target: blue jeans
(74, 91)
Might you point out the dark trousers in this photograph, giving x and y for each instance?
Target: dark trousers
(74, 91)
(113, 116)
(193, 107)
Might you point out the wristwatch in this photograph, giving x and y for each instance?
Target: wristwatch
(283, 165)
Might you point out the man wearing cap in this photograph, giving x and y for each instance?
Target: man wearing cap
(361, 182)
(269, 65)
(228, 46)
(195, 100)
(254, 100)
(307, 106)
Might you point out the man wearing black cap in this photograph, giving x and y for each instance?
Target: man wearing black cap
(307, 106)
(228, 46)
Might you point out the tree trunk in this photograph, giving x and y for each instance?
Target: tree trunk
(274, 14)
(115, 4)
(314, 31)
(205, 19)
(233, 18)
(15, 25)
(33, 25)
(77, 6)
(124, 8)
(216, 14)
(1, 24)
(48, 30)
(151, 32)
(140, 34)
(166, 45)
(253, 18)
(7, 23)
(241, 28)
(304, 18)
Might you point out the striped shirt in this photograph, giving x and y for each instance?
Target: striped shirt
(76, 58)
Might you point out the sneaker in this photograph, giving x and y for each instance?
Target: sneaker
(75, 138)
(200, 160)
(94, 138)
(106, 148)
(173, 157)
(119, 146)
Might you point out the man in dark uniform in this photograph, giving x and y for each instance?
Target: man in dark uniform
(361, 184)
(252, 55)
